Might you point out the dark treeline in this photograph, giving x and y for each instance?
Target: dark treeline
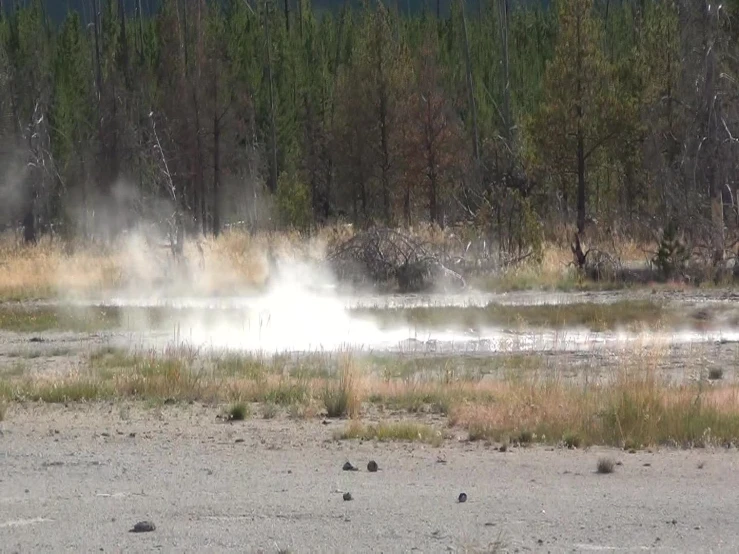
(263, 113)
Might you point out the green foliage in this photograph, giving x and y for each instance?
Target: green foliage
(371, 113)
(582, 112)
(293, 201)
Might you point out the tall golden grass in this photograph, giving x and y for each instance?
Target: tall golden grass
(235, 260)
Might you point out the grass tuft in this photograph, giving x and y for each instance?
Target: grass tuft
(606, 465)
(396, 431)
(269, 411)
(715, 373)
(343, 398)
(239, 412)
(572, 440)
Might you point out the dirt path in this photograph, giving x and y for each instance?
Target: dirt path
(78, 478)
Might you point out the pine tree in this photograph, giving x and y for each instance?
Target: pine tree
(580, 113)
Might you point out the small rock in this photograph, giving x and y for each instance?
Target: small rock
(239, 440)
(462, 497)
(349, 467)
(132, 435)
(169, 401)
(372, 466)
(143, 527)
(348, 496)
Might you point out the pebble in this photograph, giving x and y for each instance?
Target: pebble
(348, 496)
(462, 497)
(349, 467)
(143, 527)
(372, 466)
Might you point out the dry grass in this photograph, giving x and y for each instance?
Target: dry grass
(233, 262)
(344, 398)
(633, 408)
(46, 269)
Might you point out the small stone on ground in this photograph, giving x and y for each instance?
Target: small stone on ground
(143, 527)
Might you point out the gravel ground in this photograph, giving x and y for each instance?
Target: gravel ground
(78, 478)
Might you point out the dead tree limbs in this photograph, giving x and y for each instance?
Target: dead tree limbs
(382, 256)
(175, 220)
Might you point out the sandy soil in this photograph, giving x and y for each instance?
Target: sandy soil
(78, 478)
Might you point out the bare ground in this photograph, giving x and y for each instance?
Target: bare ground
(78, 478)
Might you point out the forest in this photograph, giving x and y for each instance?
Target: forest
(519, 120)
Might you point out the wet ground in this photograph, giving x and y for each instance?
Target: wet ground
(289, 320)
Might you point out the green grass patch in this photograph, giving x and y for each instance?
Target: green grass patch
(22, 318)
(58, 392)
(398, 431)
(239, 412)
(594, 316)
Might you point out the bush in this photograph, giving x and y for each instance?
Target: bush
(672, 253)
(239, 412)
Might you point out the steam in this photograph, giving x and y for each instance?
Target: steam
(299, 311)
(227, 295)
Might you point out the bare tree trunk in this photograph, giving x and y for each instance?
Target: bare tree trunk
(96, 30)
(300, 17)
(581, 192)
(216, 174)
(581, 184)
(335, 72)
(141, 32)
(431, 162)
(712, 106)
(506, 75)
(470, 87)
(272, 183)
